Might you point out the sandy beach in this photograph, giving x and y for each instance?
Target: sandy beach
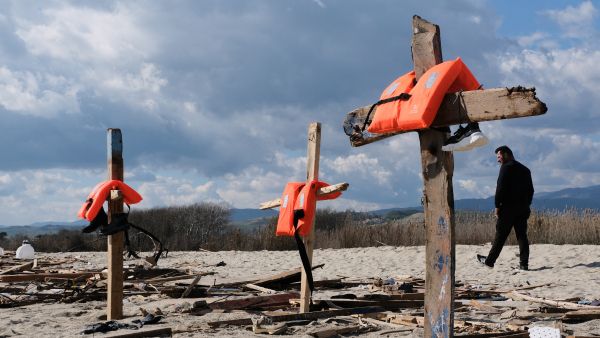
(571, 271)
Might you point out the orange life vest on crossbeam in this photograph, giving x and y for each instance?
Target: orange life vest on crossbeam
(419, 111)
(300, 196)
(99, 195)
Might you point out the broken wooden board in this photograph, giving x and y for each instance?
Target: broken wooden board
(254, 302)
(281, 279)
(302, 316)
(40, 277)
(559, 304)
(580, 316)
(352, 303)
(142, 333)
(334, 331)
(469, 106)
(20, 267)
(520, 334)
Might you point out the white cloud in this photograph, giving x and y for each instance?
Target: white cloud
(42, 195)
(577, 21)
(42, 95)
(148, 79)
(360, 164)
(169, 190)
(252, 187)
(86, 35)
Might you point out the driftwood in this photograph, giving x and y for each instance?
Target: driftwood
(20, 267)
(565, 305)
(302, 316)
(40, 277)
(579, 316)
(254, 302)
(162, 332)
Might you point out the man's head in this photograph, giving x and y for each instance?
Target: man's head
(503, 154)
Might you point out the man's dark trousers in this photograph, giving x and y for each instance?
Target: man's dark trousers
(508, 219)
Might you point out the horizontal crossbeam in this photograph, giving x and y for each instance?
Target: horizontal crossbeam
(473, 106)
(323, 191)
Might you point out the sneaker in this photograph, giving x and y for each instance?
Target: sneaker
(465, 139)
(481, 259)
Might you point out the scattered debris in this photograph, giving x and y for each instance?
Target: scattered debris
(352, 307)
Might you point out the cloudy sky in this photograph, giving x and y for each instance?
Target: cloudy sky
(214, 97)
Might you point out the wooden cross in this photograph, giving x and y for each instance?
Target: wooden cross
(312, 173)
(115, 242)
(438, 167)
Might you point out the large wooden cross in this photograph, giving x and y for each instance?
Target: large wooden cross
(313, 154)
(438, 167)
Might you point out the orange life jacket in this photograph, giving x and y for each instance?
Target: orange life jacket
(386, 119)
(300, 196)
(420, 109)
(99, 194)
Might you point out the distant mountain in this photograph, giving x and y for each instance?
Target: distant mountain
(40, 228)
(575, 198)
(238, 215)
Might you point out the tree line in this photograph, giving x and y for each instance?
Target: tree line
(208, 226)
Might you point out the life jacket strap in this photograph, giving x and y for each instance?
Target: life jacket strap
(119, 222)
(401, 97)
(302, 250)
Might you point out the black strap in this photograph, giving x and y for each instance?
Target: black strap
(302, 250)
(403, 97)
(160, 246)
(130, 252)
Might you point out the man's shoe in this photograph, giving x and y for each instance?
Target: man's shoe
(481, 259)
(465, 139)
(523, 267)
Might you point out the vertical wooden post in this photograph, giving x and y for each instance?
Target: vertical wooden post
(116, 241)
(312, 173)
(438, 202)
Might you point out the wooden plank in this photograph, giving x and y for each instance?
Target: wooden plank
(173, 278)
(19, 267)
(386, 304)
(312, 173)
(521, 334)
(438, 201)
(471, 106)
(162, 332)
(259, 288)
(579, 316)
(191, 286)
(302, 316)
(564, 305)
(333, 331)
(43, 276)
(322, 191)
(114, 304)
(286, 277)
(254, 302)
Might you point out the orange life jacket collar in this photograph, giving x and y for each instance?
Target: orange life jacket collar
(99, 195)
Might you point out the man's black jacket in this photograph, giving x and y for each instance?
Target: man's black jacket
(514, 189)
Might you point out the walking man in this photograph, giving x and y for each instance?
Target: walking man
(514, 192)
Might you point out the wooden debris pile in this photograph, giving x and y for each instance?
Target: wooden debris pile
(390, 306)
(25, 282)
(270, 305)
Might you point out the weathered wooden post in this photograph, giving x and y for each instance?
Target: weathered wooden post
(313, 153)
(438, 167)
(438, 200)
(116, 241)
